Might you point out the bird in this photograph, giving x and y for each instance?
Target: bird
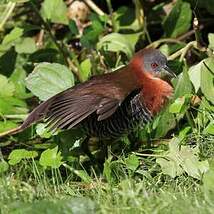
(112, 104)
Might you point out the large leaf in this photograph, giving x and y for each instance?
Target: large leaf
(211, 40)
(179, 19)
(55, 10)
(183, 85)
(202, 77)
(19, 154)
(180, 159)
(207, 79)
(48, 79)
(117, 42)
(18, 79)
(51, 158)
(26, 45)
(12, 37)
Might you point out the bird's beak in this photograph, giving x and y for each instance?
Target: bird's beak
(169, 72)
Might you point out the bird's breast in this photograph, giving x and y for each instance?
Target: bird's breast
(155, 94)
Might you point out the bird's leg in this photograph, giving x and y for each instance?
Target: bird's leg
(104, 150)
(86, 150)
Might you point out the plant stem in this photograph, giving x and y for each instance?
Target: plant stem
(94, 7)
(9, 9)
(190, 120)
(16, 116)
(182, 52)
(155, 44)
(110, 9)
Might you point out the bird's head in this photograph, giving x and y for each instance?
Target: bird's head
(153, 61)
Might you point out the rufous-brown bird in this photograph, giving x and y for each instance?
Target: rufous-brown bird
(109, 105)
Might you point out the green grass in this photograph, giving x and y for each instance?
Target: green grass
(22, 192)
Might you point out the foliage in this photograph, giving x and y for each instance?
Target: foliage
(49, 46)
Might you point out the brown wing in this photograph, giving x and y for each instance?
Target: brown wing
(70, 107)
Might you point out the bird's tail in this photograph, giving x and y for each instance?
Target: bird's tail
(11, 131)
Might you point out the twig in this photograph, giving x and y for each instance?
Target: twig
(148, 155)
(189, 33)
(146, 31)
(139, 12)
(183, 51)
(74, 69)
(39, 42)
(160, 41)
(94, 7)
(9, 9)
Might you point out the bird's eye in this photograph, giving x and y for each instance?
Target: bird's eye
(154, 65)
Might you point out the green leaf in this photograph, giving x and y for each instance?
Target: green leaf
(44, 55)
(184, 85)
(180, 159)
(170, 168)
(3, 166)
(73, 27)
(19, 154)
(26, 45)
(211, 40)
(177, 105)
(51, 158)
(83, 175)
(55, 10)
(207, 79)
(209, 129)
(85, 68)
(208, 182)
(166, 121)
(12, 37)
(202, 77)
(6, 125)
(132, 162)
(117, 42)
(48, 79)
(91, 34)
(6, 87)
(179, 19)
(18, 79)
(195, 76)
(12, 105)
(42, 131)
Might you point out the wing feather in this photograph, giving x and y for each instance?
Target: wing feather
(70, 107)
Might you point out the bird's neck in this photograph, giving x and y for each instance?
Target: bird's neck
(155, 91)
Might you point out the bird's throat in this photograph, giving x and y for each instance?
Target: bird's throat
(155, 91)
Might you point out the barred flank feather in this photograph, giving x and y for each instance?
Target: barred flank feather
(129, 115)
